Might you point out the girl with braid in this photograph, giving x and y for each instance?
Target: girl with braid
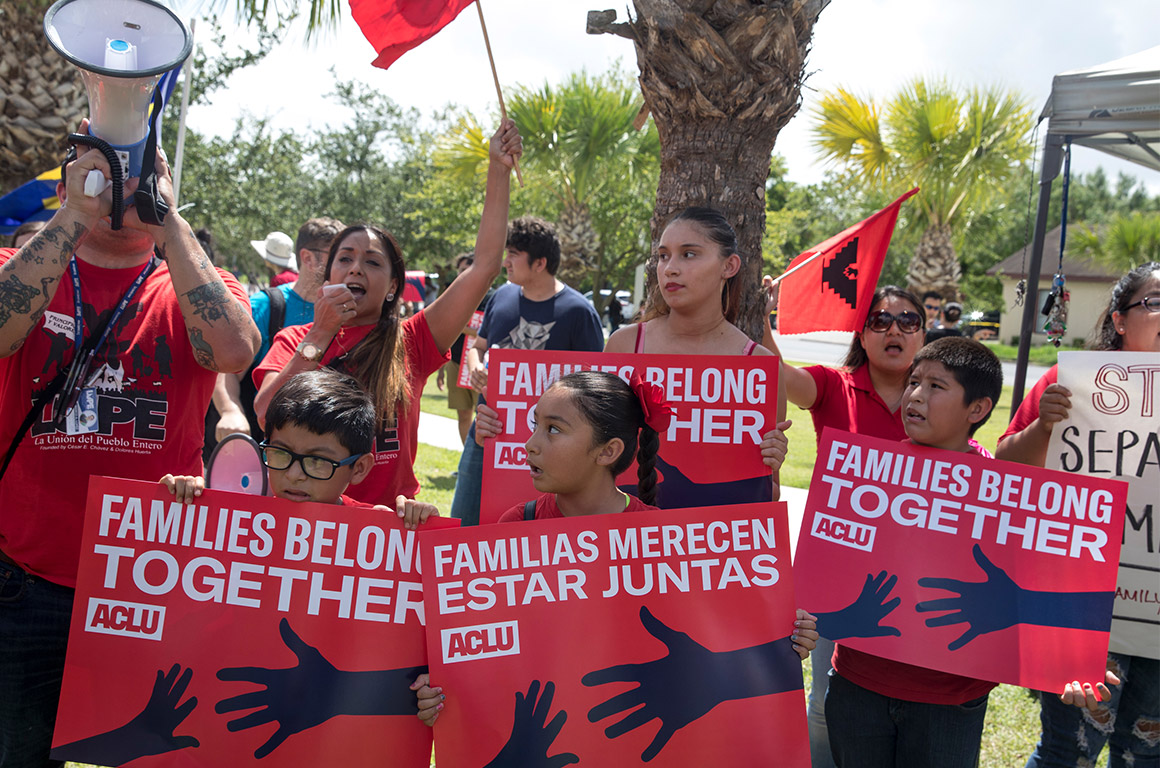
(589, 426)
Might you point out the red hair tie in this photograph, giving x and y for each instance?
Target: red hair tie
(658, 413)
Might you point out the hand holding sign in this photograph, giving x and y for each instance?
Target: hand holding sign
(532, 734)
(151, 732)
(863, 617)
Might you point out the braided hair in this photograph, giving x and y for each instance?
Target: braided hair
(614, 411)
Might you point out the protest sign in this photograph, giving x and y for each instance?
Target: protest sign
(240, 627)
(469, 334)
(1113, 430)
(722, 405)
(546, 636)
(960, 563)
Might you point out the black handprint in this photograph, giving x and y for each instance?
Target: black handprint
(998, 602)
(530, 740)
(312, 692)
(151, 732)
(864, 616)
(690, 680)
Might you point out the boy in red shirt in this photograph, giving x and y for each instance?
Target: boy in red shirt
(885, 713)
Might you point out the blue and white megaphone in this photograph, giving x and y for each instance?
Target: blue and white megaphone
(122, 48)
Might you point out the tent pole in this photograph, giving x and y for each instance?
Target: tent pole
(1052, 158)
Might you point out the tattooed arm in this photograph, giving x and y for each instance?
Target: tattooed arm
(221, 331)
(29, 279)
(220, 327)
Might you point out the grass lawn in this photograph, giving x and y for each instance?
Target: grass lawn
(1044, 354)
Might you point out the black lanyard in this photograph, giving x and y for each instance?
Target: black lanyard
(78, 371)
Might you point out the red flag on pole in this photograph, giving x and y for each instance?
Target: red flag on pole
(394, 27)
(833, 292)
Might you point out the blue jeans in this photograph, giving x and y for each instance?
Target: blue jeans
(1129, 724)
(868, 730)
(821, 659)
(469, 482)
(34, 622)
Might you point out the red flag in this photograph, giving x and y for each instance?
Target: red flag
(833, 292)
(394, 27)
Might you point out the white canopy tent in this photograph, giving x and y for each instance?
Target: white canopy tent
(1112, 107)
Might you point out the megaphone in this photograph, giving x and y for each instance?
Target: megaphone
(122, 48)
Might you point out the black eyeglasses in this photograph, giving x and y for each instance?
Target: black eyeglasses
(880, 321)
(1152, 304)
(318, 467)
(932, 307)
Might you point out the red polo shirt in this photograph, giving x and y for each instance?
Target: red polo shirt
(1029, 409)
(847, 400)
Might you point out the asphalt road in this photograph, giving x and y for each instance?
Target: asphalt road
(830, 349)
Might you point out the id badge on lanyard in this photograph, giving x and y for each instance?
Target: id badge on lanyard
(77, 408)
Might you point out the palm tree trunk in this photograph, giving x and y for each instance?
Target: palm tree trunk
(721, 79)
(935, 265)
(41, 95)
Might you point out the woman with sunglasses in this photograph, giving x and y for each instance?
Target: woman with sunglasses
(1125, 718)
(863, 396)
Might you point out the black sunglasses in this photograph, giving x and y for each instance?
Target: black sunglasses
(318, 467)
(880, 321)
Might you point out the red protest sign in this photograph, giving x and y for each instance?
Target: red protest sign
(241, 627)
(571, 636)
(722, 405)
(951, 561)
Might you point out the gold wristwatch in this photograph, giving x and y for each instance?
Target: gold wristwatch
(311, 353)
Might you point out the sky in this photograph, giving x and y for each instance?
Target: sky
(872, 47)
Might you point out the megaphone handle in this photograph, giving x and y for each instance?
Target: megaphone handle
(95, 183)
(118, 181)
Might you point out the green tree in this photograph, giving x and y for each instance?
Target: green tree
(245, 186)
(963, 149)
(586, 167)
(721, 79)
(1126, 241)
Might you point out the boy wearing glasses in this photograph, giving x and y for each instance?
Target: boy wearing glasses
(320, 431)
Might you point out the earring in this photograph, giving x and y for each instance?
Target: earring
(390, 297)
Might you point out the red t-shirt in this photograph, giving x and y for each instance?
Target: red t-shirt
(1028, 410)
(283, 277)
(906, 681)
(151, 403)
(847, 400)
(394, 470)
(546, 508)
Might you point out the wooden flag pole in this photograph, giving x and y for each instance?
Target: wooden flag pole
(789, 272)
(495, 76)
